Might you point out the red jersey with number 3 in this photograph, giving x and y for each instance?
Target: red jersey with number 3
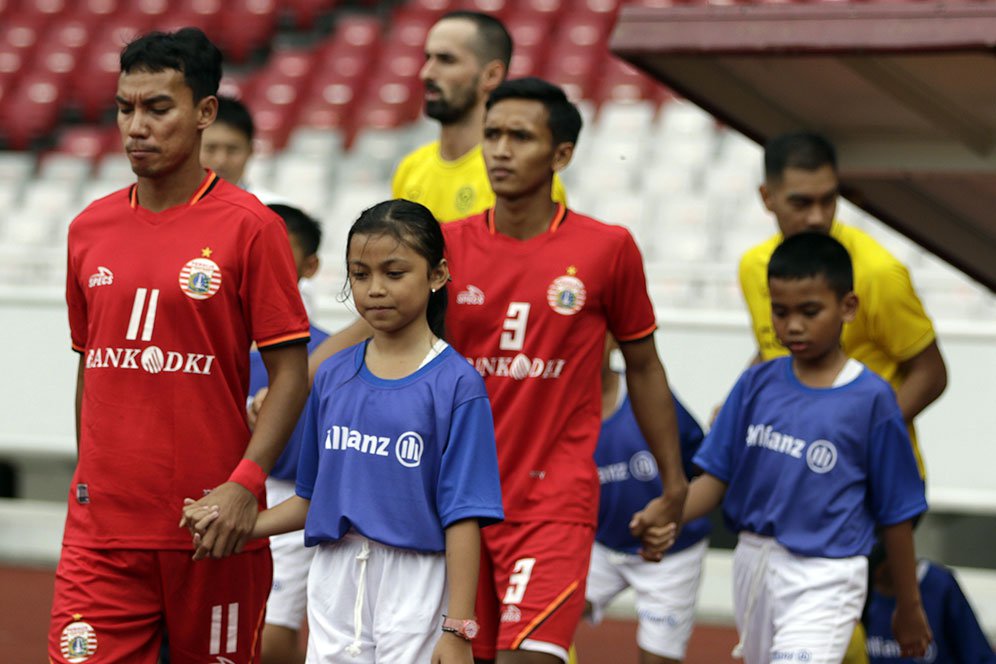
(531, 317)
(163, 308)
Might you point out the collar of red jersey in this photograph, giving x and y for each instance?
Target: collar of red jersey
(210, 179)
(558, 218)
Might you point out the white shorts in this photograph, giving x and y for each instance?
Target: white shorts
(291, 560)
(398, 596)
(792, 608)
(666, 593)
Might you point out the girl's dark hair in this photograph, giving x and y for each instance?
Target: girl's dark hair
(414, 226)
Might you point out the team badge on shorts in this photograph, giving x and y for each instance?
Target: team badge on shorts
(566, 294)
(200, 278)
(79, 641)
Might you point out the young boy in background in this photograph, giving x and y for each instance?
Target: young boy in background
(809, 456)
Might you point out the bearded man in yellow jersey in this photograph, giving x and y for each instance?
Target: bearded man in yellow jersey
(466, 57)
(891, 334)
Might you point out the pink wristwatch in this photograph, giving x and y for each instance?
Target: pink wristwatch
(465, 629)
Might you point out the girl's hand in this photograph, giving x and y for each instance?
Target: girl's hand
(451, 649)
(196, 517)
(909, 626)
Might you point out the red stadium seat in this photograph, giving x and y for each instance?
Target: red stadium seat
(153, 10)
(577, 69)
(306, 11)
(545, 7)
(88, 141)
(23, 31)
(494, 7)
(31, 110)
(355, 32)
(529, 29)
(102, 8)
(583, 30)
(389, 102)
(622, 82)
(8, 7)
(12, 61)
(527, 60)
(48, 8)
(431, 8)
(94, 87)
(238, 87)
(71, 31)
(409, 28)
(253, 23)
(330, 103)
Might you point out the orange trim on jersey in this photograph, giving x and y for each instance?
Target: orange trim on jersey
(558, 218)
(283, 339)
(208, 183)
(257, 633)
(544, 614)
(205, 187)
(78, 349)
(639, 335)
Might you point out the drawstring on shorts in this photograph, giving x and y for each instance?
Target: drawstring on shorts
(354, 649)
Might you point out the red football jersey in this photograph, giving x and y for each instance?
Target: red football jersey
(531, 317)
(164, 307)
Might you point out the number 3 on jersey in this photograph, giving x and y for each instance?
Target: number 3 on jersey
(519, 579)
(514, 325)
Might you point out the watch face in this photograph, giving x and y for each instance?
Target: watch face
(470, 628)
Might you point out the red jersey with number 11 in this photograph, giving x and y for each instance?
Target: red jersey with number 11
(531, 317)
(163, 308)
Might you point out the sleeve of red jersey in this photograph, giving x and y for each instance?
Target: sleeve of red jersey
(269, 289)
(76, 303)
(629, 310)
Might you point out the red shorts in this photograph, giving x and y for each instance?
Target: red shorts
(112, 605)
(530, 593)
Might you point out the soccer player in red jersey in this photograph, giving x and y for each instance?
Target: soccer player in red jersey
(169, 282)
(535, 287)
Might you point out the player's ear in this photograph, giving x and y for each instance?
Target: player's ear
(207, 111)
(562, 155)
(492, 75)
(765, 192)
(310, 266)
(439, 275)
(849, 305)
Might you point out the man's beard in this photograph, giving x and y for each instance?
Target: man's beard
(450, 112)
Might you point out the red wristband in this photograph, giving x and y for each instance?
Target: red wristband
(251, 476)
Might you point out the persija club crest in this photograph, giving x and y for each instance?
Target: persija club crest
(566, 294)
(200, 278)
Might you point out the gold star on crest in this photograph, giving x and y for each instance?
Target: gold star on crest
(206, 252)
(571, 270)
(77, 616)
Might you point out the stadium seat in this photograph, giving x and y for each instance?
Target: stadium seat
(551, 8)
(88, 141)
(431, 8)
(575, 69)
(12, 63)
(238, 86)
(154, 10)
(621, 82)
(389, 102)
(529, 29)
(99, 8)
(256, 21)
(409, 27)
(31, 110)
(330, 101)
(496, 8)
(306, 11)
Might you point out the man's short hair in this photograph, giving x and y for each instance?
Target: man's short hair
(805, 150)
(564, 118)
(301, 225)
(811, 254)
(187, 50)
(236, 115)
(492, 41)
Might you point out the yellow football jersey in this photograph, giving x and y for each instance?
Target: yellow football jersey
(891, 325)
(450, 189)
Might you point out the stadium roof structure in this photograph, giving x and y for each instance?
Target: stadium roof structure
(906, 91)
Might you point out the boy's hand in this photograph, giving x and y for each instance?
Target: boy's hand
(655, 531)
(451, 649)
(910, 628)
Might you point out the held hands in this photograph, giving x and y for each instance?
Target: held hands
(255, 405)
(221, 522)
(657, 526)
(451, 649)
(909, 626)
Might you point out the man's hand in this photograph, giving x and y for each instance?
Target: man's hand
(256, 405)
(451, 649)
(657, 524)
(912, 632)
(229, 528)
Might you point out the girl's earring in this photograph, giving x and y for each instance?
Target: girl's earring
(433, 290)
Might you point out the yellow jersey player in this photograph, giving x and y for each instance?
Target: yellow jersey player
(466, 57)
